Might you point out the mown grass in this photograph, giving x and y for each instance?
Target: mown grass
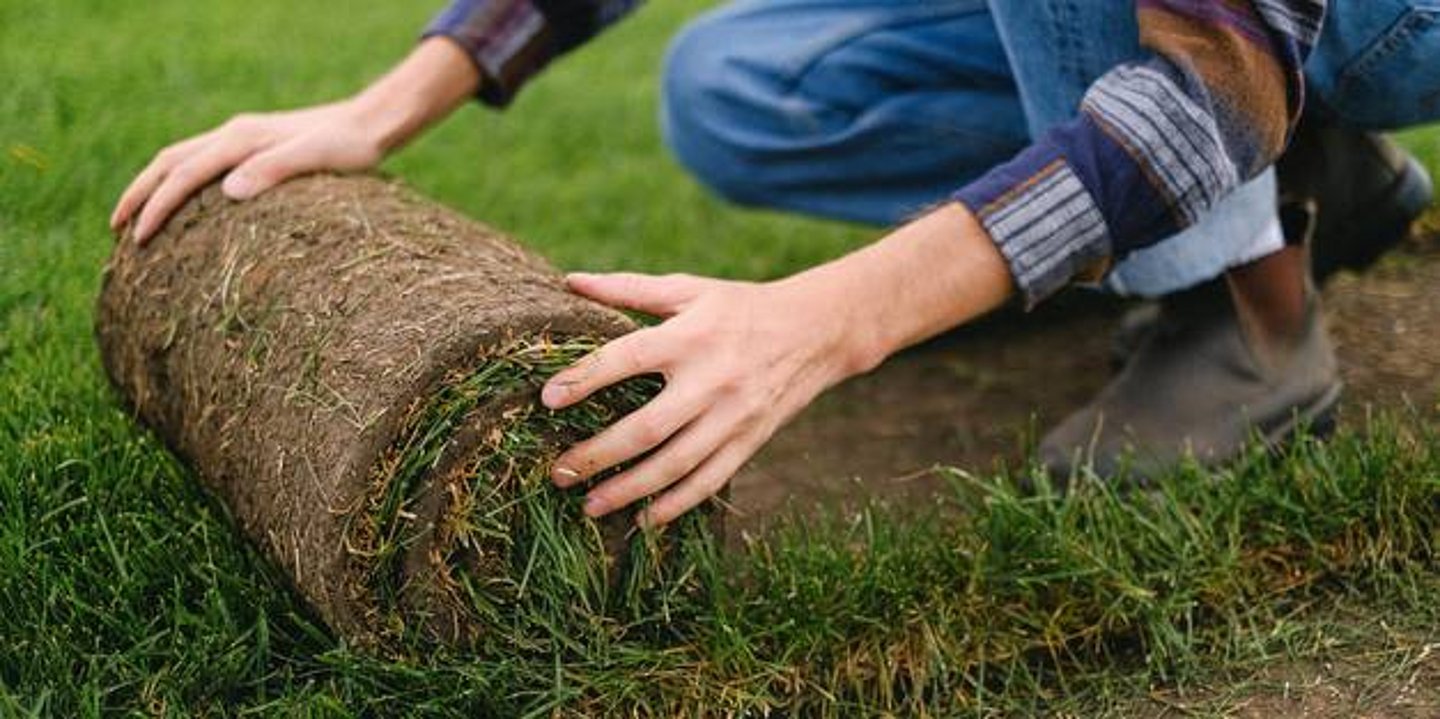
(123, 588)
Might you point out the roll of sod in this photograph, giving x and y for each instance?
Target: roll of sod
(352, 371)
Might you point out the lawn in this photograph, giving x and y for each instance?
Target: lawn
(122, 587)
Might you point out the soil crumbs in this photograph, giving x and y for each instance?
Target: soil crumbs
(979, 398)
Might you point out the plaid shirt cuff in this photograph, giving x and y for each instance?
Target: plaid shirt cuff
(509, 41)
(1044, 221)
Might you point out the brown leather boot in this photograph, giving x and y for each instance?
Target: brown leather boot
(1202, 384)
(1354, 194)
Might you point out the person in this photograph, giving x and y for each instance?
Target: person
(1017, 146)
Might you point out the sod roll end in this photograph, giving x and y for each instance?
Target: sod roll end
(352, 370)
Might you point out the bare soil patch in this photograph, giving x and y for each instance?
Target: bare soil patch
(1394, 682)
(980, 397)
(977, 399)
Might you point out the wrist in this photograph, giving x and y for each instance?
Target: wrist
(384, 126)
(942, 271)
(928, 276)
(435, 79)
(829, 315)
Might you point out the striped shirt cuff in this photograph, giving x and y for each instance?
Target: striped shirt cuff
(1043, 220)
(509, 41)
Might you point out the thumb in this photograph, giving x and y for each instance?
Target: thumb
(263, 171)
(658, 295)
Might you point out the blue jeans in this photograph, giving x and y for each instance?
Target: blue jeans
(873, 110)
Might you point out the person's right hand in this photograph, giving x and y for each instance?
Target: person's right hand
(258, 152)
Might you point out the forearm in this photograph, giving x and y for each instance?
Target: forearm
(426, 86)
(931, 275)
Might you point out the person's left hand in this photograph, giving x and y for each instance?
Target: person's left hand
(739, 359)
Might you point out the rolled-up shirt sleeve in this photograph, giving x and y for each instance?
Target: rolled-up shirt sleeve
(512, 40)
(1156, 144)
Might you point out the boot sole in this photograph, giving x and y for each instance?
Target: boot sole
(1317, 419)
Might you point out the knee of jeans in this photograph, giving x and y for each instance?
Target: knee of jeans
(710, 123)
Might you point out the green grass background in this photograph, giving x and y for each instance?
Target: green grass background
(121, 586)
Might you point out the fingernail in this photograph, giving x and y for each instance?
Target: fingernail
(595, 506)
(552, 395)
(563, 476)
(239, 186)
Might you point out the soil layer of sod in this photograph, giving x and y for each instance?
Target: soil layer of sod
(353, 372)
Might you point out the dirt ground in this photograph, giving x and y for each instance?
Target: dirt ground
(980, 396)
(1341, 689)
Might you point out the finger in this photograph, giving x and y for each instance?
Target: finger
(637, 433)
(268, 169)
(637, 353)
(659, 295)
(701, 484)
(150, 177)
(187, 177)
(674, 461)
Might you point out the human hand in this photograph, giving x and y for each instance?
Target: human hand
(257, 151)
(739, 360)
(261, 151)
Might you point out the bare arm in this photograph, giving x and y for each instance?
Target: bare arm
(257, 151)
